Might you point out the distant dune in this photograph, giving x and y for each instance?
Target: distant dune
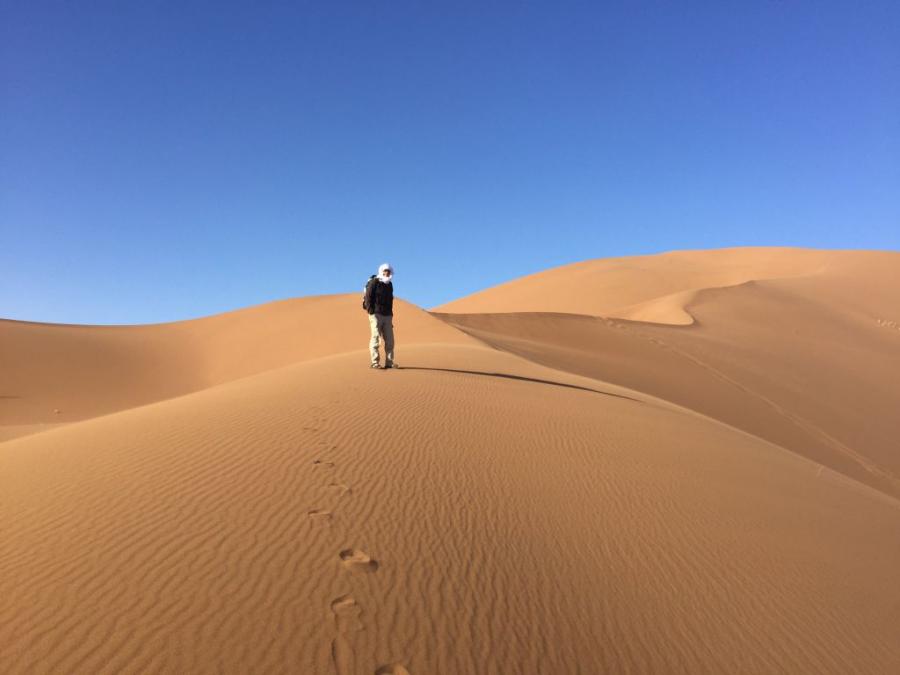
(65, 373)
(685, 463)
(658, 288)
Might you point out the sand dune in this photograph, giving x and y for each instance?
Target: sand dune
(533, 492)
(503, 525)
(808, 362)
(54, 373)
(656, 287)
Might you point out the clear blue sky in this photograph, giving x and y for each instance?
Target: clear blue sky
(161, 161)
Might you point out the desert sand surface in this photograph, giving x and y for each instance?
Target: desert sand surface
(62, 373)
(538, 489)
(810, 362)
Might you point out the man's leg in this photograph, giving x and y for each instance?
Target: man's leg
(387, 330)
(373, 341)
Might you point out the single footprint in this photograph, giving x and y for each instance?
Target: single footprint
(346, 620)
(344, 606)
(357, 561)
(392, 669)
(342, 656)
(346, 613)
(319, 514)
(344, 489)
(323, 463)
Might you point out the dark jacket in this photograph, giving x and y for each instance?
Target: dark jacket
(380, 297)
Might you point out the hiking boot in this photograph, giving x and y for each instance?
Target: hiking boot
(375, 365)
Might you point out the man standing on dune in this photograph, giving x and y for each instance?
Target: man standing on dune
(380, 305)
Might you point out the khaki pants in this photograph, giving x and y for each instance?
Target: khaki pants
(382, 326)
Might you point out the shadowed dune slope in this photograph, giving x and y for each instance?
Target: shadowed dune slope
(85, 371)
(810, 363)
(475, 513)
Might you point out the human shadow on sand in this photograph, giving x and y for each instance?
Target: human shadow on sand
(525, 379)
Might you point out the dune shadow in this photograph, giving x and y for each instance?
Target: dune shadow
(522, 378)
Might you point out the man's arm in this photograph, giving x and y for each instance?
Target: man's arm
(370, 292)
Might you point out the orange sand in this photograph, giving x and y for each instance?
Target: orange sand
(676, 463)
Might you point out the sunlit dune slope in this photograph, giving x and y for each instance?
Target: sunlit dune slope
(475, 513)
(84, 371)
(653, 287)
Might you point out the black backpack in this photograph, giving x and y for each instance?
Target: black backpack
(366, 292)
